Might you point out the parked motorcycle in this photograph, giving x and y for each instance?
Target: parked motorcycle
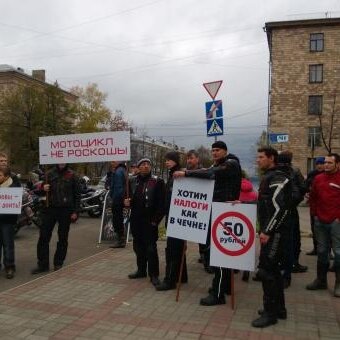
(30, 211)
(92, 202)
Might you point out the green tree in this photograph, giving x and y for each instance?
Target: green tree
(28, 113)
(92, 113)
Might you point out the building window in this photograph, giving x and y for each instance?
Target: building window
(316, 42)
(310, 164)
(315, 105)
(315, 73)
(314, 137)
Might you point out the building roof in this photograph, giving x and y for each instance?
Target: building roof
(269, 26)
(5, 68)
(276, 25)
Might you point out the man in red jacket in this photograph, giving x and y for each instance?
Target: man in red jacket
(325, 207)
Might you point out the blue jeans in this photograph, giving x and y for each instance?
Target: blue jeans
(327, 236)
(7, 242)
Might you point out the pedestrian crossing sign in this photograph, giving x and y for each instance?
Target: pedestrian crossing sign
(215, 127)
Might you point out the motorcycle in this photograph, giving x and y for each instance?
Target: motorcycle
(30, 211)
(92, 202)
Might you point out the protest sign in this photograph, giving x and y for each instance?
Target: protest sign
(10, 200)
(233, 230)
(84, 148)
(190, 209)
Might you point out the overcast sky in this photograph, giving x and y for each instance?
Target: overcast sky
(152, 56)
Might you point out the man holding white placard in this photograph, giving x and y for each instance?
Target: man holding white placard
(226, 171)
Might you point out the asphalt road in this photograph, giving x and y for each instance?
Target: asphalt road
(83, 242)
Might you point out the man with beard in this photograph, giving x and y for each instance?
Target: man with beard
(63, 192)
(147, 198)
(226, 171)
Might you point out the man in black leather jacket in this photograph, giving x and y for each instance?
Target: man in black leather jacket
(226, 171)
(274, 204)
(63, 193)
(147, 198)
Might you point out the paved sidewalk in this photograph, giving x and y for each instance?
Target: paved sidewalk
(94, 299)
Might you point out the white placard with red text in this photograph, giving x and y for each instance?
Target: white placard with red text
(85, 148)
(10, 200)
(233, 233)
(190, 209)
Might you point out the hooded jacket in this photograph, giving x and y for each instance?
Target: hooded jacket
(227, 176)
(247, 193)
(117, 184)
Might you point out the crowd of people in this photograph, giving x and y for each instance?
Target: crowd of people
(148, 198)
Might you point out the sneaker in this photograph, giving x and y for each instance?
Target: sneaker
(57, 267)
(212, 300)
(39, 270)
(298, 268)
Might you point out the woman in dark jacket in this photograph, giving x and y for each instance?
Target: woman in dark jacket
(7, 222)
(174, 246)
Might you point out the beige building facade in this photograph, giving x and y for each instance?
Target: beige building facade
(305, 87)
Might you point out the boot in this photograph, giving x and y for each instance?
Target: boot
(264, 320)
(137, 275)
(321, 280)
(337, 282)
(281, 314)
(165, 285)
(212, 300)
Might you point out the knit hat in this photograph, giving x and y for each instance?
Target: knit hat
(219, 145)
(173, 156)
(143, 160)
(319, 160)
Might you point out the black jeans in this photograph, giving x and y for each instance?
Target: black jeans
(145, 247)
(173, 256)
(118, 219)
(51, 216)
(7, 244)
(270, 275)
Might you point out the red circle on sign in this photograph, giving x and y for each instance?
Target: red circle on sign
(249, 225)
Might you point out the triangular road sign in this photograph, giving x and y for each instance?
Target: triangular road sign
(213, 87)
(215, 129)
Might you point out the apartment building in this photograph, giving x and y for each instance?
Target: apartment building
(304, 89)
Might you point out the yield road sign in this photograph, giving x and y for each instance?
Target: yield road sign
(214, 109)
(213, 87)
(233, 233)
(215, 127)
